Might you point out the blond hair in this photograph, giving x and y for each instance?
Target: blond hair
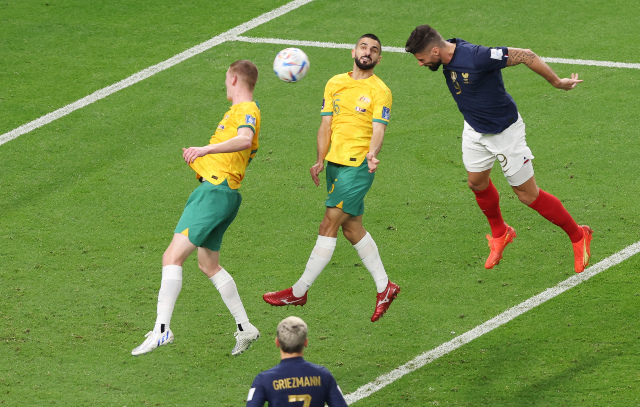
(292, 334)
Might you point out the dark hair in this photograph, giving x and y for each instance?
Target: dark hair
(246, 70)
(373, 37)
(423, 38)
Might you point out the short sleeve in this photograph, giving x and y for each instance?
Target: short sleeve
(489, 59)
(327, 100)
(335, 397)
(257, 395)
(247, 118)
(382, 106)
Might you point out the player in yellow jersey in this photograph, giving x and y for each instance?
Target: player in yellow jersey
(355, 113)
(220, 167)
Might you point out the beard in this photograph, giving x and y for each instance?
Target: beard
(435, 67)
(364, 67)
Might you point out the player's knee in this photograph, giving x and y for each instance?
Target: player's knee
(526, 197)
(353, 234)
(328, 227)
(348, 234)
(209, 270)
(477, 185)
(170, 258)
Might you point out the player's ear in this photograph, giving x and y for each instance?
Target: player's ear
(277, 343)
(353, 53)
(306, 342)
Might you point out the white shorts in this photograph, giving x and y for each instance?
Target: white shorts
(481, 150)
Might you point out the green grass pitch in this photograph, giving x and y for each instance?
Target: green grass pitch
(88, 204)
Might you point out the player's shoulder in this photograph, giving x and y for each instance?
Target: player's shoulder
(476, 50)
(339, 79)
(378, 86)
(379, 83)
(269, 374)
(246, 108)
(318, 369)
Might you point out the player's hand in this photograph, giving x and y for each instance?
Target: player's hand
(315, 171)
(569, 83)
(372, 162)
(190, 154)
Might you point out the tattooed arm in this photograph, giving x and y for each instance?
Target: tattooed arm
(536, 64)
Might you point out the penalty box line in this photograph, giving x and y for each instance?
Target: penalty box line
(232, 35)
(229, 35)
(508, 315)
(320, 44)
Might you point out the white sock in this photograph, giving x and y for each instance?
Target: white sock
(318, 260)
(169, 289)
(368, 252)
(228, 290)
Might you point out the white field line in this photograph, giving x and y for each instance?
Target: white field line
(401, 50)
(590, 62)
(152, 70)
(491, 324)
(234, 35)
(318, 44)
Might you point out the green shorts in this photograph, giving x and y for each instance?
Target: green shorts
(347, 187)
(208, 213)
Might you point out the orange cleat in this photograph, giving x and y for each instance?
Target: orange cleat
(497, 246)
(582, 249)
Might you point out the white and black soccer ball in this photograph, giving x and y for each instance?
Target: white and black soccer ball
(291, 64)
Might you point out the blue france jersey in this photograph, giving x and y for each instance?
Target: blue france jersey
(295, 383)
(474, 78)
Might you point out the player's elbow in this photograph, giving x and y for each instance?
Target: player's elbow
(246, 142)
(246, 145)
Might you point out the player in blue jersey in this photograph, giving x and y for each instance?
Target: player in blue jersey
(494, 130)
(294, 382)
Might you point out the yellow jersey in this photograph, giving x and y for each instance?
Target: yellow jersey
(215, 168)
(354, 105)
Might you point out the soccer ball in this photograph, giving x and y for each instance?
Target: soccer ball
(291, 65)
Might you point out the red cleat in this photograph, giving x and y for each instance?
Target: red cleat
(284, 297)
(582, 249)
(384, 299)
(497, 245)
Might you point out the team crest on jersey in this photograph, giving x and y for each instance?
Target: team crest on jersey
(454, 76)
(363, 101)
(250, 120)
(386, 113)
(221, 126)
